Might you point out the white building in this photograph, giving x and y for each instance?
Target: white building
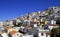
(1, 23)
(43, 33)
(53, 22)
(53, 26)
(27, 35)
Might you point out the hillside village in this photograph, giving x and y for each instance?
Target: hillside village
(34, 24)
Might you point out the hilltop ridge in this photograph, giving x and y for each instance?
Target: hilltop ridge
(40, 17)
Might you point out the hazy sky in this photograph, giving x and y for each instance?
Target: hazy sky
(10, 9)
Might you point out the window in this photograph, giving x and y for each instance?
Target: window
(58, 11)
(42, 34)
(55, 8)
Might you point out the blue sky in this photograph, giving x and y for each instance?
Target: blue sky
(10, 9)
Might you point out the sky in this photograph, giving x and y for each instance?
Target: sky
(10, 9)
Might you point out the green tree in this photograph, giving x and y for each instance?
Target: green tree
(55, 32)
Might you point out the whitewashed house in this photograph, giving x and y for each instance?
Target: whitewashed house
(43, 33)
(27, 35)
(53, 26)
(4, 34)
(1, 23)
(53, 22)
